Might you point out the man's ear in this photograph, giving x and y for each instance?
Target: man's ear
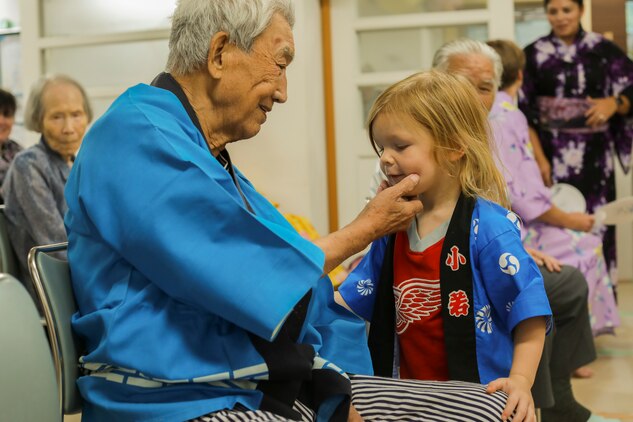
(217, 50)
(520, 76)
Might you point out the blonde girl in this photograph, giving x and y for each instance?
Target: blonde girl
(455, 296)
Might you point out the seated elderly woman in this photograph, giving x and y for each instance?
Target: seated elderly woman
(196, 298)
(33, 189)
(8, 147)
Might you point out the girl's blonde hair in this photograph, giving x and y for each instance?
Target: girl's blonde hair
(450, 109)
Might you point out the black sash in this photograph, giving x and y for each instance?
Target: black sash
(456, 288)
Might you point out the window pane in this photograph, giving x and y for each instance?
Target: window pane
(530, 24)
(368, 95)
(390, 50)
(110, 64)
(401, 7)
(82, 17)
(409, 49)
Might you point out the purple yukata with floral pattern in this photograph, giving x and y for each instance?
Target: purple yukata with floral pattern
(530, 198)
(557, 78)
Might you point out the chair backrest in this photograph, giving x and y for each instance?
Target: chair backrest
(28, 388)
(8, 260)
(51, 278)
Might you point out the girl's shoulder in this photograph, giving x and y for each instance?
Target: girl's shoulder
(491, 220)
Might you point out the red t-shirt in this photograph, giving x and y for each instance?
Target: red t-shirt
(419, 323)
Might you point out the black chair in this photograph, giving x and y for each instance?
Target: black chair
(53, 286)
(8, 260)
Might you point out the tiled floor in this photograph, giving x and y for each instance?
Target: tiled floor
(610, 391)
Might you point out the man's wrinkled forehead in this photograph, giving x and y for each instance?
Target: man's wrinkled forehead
(477, 68)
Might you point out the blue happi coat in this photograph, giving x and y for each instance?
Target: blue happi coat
(507, 286)
(173, 274)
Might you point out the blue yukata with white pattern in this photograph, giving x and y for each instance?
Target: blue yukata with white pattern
(507, 286)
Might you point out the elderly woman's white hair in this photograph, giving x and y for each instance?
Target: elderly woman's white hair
(196, 21)
(461, 46)
(34, 109)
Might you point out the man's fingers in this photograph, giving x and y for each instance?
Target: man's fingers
(406, 185)
(383, 185)
(413, 206)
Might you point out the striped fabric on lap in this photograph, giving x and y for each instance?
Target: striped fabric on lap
(388, 399)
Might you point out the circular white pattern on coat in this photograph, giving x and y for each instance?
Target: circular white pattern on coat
(509, 263)
(365, 287)
(483, 319)
(514, 219)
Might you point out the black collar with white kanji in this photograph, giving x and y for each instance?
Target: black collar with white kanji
(456, 289)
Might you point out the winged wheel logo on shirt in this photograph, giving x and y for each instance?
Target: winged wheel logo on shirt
(415, 299)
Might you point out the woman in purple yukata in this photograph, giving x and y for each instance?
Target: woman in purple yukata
(577, 94)
(546, 227)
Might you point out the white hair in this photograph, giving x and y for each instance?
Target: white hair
(464, 46)
(195, 22)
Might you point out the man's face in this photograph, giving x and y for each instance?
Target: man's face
(256, 80)
(479, 70)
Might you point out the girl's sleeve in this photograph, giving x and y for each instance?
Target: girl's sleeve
(512, 280)
(359, 288)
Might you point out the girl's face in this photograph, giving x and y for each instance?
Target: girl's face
(564, 18)
(407, 148)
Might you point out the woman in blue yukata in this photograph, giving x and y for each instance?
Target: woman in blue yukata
(456, 291)
(577, 93)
